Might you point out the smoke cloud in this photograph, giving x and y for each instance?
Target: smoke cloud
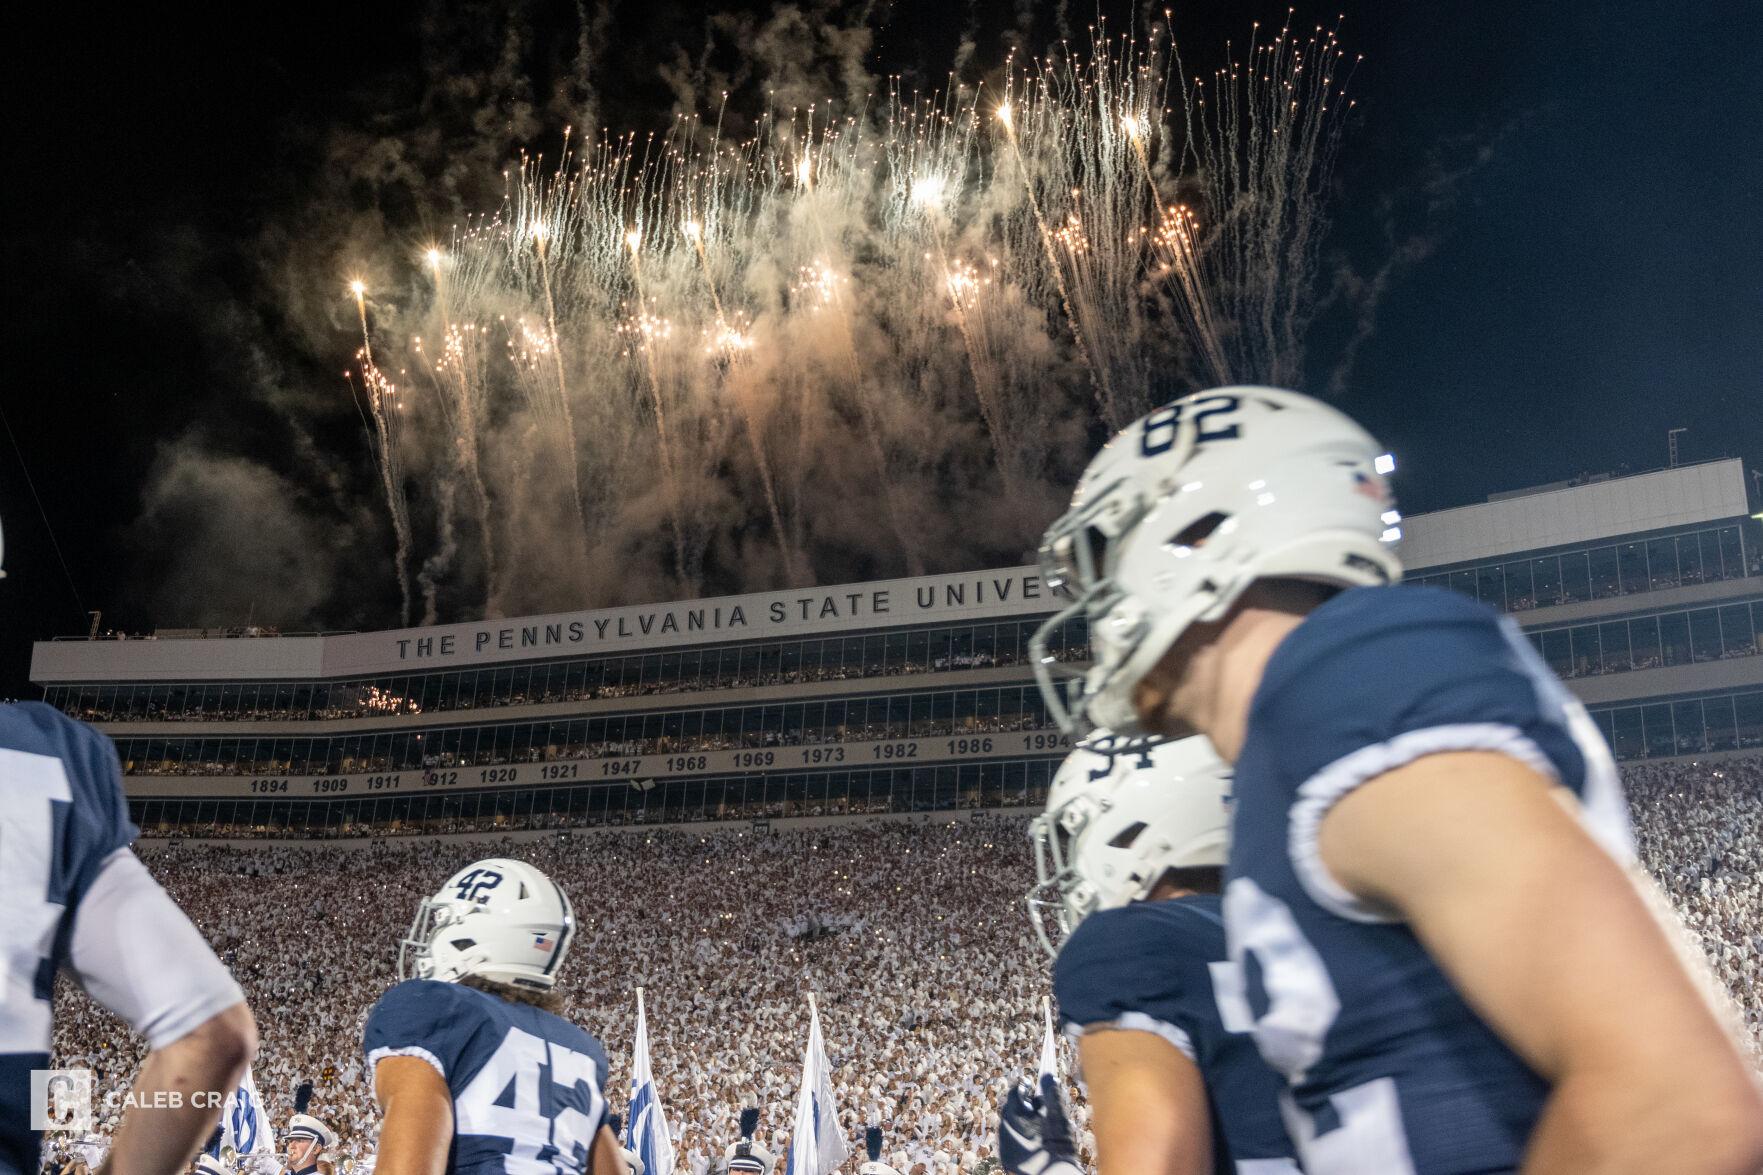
(819, 330)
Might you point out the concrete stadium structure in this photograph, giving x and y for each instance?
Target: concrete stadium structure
(902, 696)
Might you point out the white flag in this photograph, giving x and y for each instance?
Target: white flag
(817, 1144)
(646, 1130)
(244, 1125)
(1049, 1052)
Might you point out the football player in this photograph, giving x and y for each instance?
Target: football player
(1129, 855)
(1429, 893)
(78, 899)
(474, 1070)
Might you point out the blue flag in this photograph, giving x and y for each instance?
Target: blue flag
(646, 1124)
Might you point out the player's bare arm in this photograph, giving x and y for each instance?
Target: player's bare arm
(186, 1004)
(607, 1158)
(1549, 940)
(1147, 1105)
(161, 1141)
(416, 1117)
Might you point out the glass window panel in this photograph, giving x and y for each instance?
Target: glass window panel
(1689, 559)
(1606, 577)
(1656, 724)
(1662, 563)
(1576, 584)
(1585, 650)
(1691, 737)
(1632, 558)
(1520, 587)
(918, 651)
(1748, 719)
(1733, 550)
(1705, 634)
(1613, 642)
(1717, 714)
(1546, 575)
(1674, 638)
(1737, 633)
(1643, 637)
(1558, 652)
(1490, 586)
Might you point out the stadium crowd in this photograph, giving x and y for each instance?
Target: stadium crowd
(911, 932)
(1700, 833)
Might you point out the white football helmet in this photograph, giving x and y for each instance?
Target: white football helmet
(1120, 814)
(498, 918)
(1187, 507)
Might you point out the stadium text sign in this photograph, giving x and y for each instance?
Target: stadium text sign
(801, 612)
(636, 770)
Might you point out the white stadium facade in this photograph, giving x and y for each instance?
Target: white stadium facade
(1644, 592)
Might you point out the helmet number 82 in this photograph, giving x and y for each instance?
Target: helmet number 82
(1159, 429)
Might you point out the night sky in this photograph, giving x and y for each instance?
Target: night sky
(1567, 207)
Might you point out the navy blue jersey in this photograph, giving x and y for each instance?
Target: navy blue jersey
(528, 1087)
(61, 814)
(1388, 1068)
(1156, 967)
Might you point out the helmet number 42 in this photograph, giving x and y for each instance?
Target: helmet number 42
(474, 885)
(1159, 429)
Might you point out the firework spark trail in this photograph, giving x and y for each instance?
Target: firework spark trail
(1176, 234)
(382, 400)
(1263, 147)
(1104, 392)
(727, 343)
(456, 388)
(645, 343)
(436, 566)
(898, 289)
(830, 283)
(555, 345)
(929, 146)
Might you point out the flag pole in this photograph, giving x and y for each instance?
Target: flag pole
(1049, 1064)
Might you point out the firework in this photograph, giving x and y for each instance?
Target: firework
(658, 348)
(386, 411)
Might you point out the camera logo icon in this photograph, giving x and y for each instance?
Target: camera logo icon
(61, 1099)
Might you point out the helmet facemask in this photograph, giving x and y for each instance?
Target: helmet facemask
(1126, 639)
(416, 958)
(1061, 895)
